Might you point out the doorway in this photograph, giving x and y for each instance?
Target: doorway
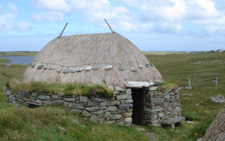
(137, 116)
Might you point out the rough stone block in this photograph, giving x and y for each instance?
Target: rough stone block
(112, 108)
(115, 103)
(128, 120)
(91, 109)
(119, 89)
(74, 105)
(77, 111)
(125, 107)
(86, 114)
(120, 97)
(69, 99)
(57, 103)
(104, 103)
(83, 99)
(128, 92)
(94, 118)
(44, 97)
(96, 100)
(115, 117)
(99, 112)
(170, 121)
(159, 104)
(127, 114)
(129, 101)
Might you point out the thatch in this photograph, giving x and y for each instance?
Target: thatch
(216, 131)
(70, 53)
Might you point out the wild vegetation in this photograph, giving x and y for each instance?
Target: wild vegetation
(49, 123)
(18, 53)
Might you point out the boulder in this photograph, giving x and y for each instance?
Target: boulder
(171, 121)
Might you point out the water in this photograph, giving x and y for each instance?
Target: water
(19, 59)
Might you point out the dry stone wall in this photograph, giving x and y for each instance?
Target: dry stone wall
(100, 110)
(162, 108)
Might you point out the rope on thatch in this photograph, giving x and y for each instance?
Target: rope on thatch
(109, 26)
(216, 131)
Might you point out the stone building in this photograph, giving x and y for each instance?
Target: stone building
(107, 58)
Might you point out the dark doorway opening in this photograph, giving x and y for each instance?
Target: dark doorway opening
(137, 116)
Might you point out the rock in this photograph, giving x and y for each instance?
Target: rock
(120, 97)
(160, 115)
(152, 88)
(128, 92)
(59, 70)
(16, 106)
(34, 94)
(69, 99)
(57, 103)
(8, 92)
(200, 139)
(66, 71)
(178, 109)
(104, 104)
(122, 68)
(115, 117)
(79, 70)
(46, 102)
(139, 129)
(83, 99)
(88, 68)
(96, 67)
(190, 122)
(146, 65)
(140, 66)
(147, 110)
(111, 87)
(39, 102)
(109, 67)
(133, 69)
(86, 114)
(77, 111)
(125, 107)
(110, 122)
(51, 68)
(127, 114)
(112, 108)
(119, 89)
(32, 99)
(44, 97)
(152, 116)
(45, 67)
(91, 109)
(73, 120)
(40, 66)
(73, 70)
(128, 101)
(107, 114)
(128, 120)
(90, 103)
(121, 123)
(55, 96)
(217, 99)
(171, 121)
(94, 118)
(96, 100)
(60, 94)
(74, 105)
(65, 104)
(115, 103)
(99, 112)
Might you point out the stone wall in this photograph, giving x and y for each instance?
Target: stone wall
(162, 107)
(117, 110)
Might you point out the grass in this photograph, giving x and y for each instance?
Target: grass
(67, 89)
(18, 53)
(200, 68)
(48, 123)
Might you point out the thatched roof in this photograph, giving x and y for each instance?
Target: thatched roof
(216, 131)
(105, 57)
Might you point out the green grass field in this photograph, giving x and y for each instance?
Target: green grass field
(49, 123)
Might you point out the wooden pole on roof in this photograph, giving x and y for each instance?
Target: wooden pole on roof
(109, 26)
(62, 31)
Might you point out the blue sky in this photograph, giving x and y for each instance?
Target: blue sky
(165, 25)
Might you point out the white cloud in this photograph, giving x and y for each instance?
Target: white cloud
(12, 7)
(23, 26)
(6, 22)
(49, 16)
(56, 5)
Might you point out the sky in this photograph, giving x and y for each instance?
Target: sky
(152, 25)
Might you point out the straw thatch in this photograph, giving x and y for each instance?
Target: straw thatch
(108, 51)
(216, 131)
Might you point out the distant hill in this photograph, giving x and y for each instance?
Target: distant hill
(18, 53)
